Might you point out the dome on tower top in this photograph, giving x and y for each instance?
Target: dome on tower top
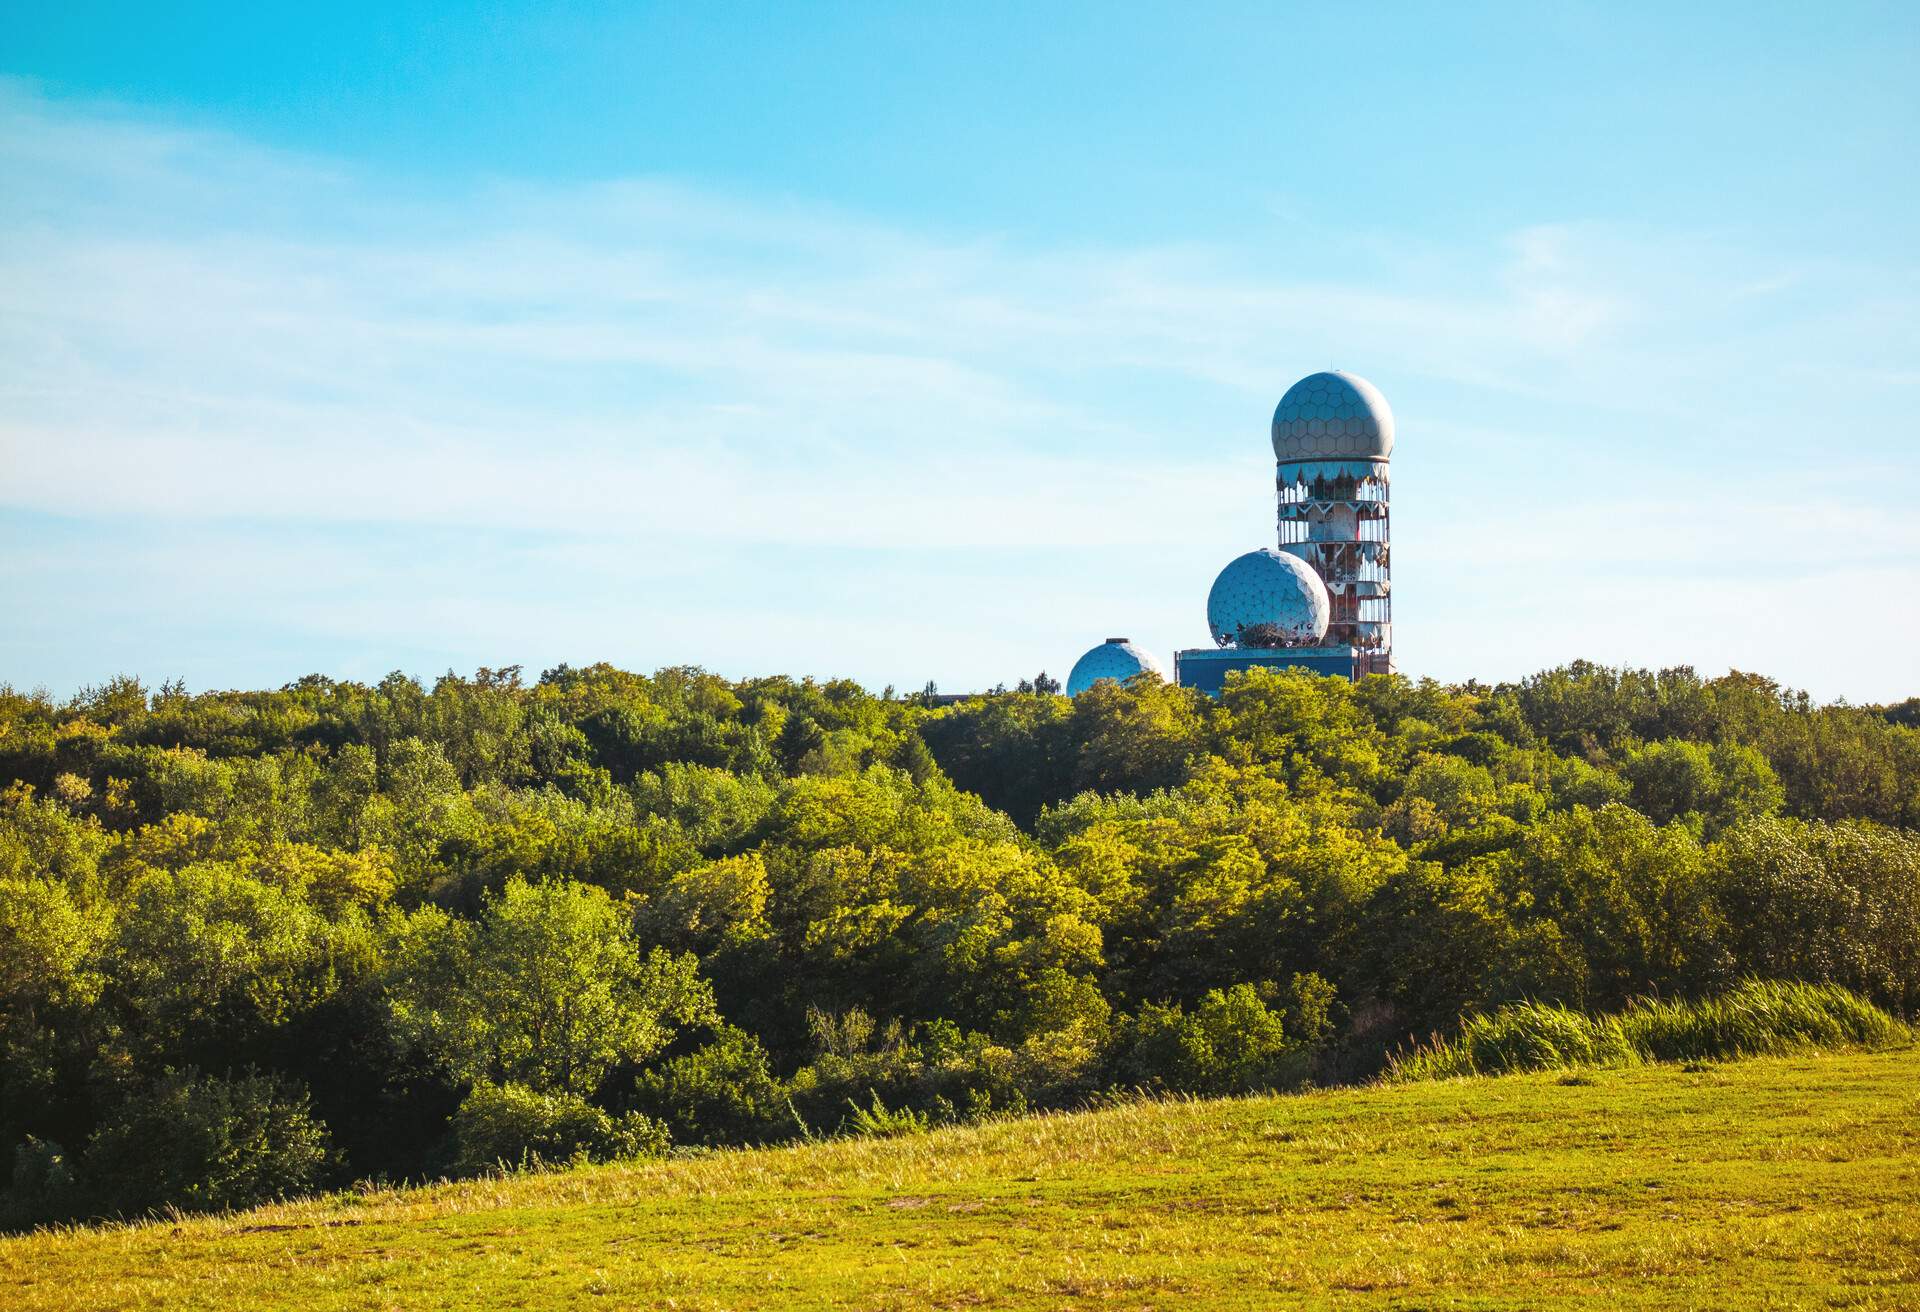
(1332, 416)
(1268, 599)
(1117, 659)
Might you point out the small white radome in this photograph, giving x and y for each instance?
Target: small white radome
(1118, 659)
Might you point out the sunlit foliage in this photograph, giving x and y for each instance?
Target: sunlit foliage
(402, 929)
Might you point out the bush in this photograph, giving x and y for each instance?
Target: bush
(1757, 1018)
(1529, 1036)
(206, 1143)
(510, 1125)
(878, 1121)
(721, 1093)
(42, 1188)
(1754, 1019)
(950, 1075)
(1232, 1042)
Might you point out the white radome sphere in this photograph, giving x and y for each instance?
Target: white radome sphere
(1332, 416)
(1268, 599)
(1117, 659)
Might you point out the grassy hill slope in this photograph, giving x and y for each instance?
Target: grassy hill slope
(1782, 1182)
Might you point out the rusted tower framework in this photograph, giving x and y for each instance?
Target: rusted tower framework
(1332, 440)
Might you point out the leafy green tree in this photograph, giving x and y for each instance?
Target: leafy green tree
(1719, 784)
(549, 988)
(1574, 781)
(478, 724)
(1232, 1041)
(204, 960)
(715, 906)
(49, 964)
(719, 812)
(1825, 903)
(1438, 943)
(50, 980)
(1135, 737)
(1304, 728)
(1463, 794)
(1632, 896)
(40, 837)
(1015, 752)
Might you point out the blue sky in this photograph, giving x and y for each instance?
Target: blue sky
(912, 342)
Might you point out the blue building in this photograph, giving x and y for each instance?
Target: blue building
(1206, 668)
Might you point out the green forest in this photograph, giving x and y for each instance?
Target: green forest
(255, 944)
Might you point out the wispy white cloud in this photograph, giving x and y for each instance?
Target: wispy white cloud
(196, 330)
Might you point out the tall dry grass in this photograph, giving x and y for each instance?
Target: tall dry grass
(1757, 1018)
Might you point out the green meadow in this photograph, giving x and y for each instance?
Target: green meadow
(1768, 1183)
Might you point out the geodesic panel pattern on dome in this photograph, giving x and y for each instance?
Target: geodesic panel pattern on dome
(1330, 416)
(1266, 599)
(1118, 661)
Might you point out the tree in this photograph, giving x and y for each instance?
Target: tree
(1134, 737)
(1827, 903)
(1438, 943)
(1634, 897)
(49, 981)
(1309, 728)
(722, 904)
(1719, 784)
(208, 956)
(1014, 752)
(1232, 1041)
(48, 944)
(724, 1092)
(549, 988)
(1457, 793)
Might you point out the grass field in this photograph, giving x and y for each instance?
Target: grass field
(1778, 1182)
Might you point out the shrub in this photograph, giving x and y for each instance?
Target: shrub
(721, 1093)
(1232, 1042)
(206, 1143)
(882, 1122)
(1528, 1036)
(1756, 1018)
(948, 1074)
(510, 1125)
(42, 1187)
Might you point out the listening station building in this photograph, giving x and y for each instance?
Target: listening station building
(1322, 600)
